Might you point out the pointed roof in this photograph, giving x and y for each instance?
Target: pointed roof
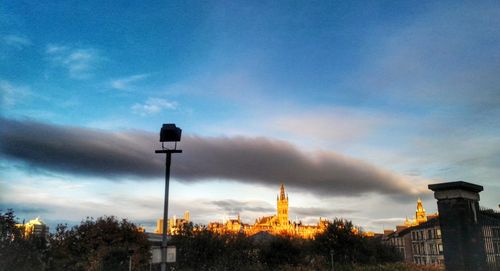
(282, 192)
(420, 207)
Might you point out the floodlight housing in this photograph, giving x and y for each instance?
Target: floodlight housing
(170, 133)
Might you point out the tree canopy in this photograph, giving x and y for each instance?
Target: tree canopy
(107, 243)
(104, 243)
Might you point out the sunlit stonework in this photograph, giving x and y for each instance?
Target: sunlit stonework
(34, 227)
(420, 216)
(278, 224)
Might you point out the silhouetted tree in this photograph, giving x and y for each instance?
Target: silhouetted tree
(200, 249)
(340, 239)
(349, 246)
(375, 252)
(101, 244)
(280, 251)
(16, 251)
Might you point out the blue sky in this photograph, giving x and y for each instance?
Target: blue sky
(400, 94)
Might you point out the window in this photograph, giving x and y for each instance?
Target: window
(497, 247)
(429, 234)
(496, 232)
(438, 233)
(440, 248)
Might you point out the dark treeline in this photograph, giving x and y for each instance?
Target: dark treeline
(106, 243)
(201, 249)
(96, 244)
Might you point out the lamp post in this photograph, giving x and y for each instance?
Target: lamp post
(331, 258)
(130, 254)
(168, 133)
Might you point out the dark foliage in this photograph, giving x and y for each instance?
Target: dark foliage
(348, 247)
(107, 243)
(280, 251)
(101, 244)
(200, 249)
(16, 252)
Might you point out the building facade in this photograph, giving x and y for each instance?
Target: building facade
(35, 227)
(426, 243)
(490, 221)
(420, 241)
(174, 225)
(278, 224)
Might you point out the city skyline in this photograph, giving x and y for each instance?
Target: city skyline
(356, 107)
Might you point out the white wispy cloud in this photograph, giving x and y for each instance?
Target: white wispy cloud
(15, 41)
(127, 82)
(79, 62)
(11, 94)
(153, 106)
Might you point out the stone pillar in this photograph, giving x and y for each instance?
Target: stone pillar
(458, 206)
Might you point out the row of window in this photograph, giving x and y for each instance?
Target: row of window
(427, 249)
(434, 233)
(428, 260)
(495, 232)
(398, 242)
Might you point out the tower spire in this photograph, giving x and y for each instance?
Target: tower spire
(282, 192)
(420, 215)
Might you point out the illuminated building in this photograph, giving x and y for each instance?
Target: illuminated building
(34, 227)
(420, 241)
(420, 216)
(278, 224)
(174, 224)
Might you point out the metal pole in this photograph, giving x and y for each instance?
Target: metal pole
(130, 263)
(331, 257)
(165, 214)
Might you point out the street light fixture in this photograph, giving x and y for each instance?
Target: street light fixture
(168, 133)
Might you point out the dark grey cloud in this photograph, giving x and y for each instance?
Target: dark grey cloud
(85, 151)
(234, 207)
(388, 222)
(20, 209)
(319, 212)
(151, 223)
(80, 150)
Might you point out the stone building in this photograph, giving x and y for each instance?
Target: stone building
(426, 243)
(174, 224)
(418, 240)
(278, 224)
(35, 227)
(421, 240)
(490, 221)
(401, 240)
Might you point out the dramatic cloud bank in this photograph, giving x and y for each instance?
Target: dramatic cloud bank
(131, 153)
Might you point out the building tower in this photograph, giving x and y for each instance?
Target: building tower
(282, 210)
(420, 215)
(35, 227)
